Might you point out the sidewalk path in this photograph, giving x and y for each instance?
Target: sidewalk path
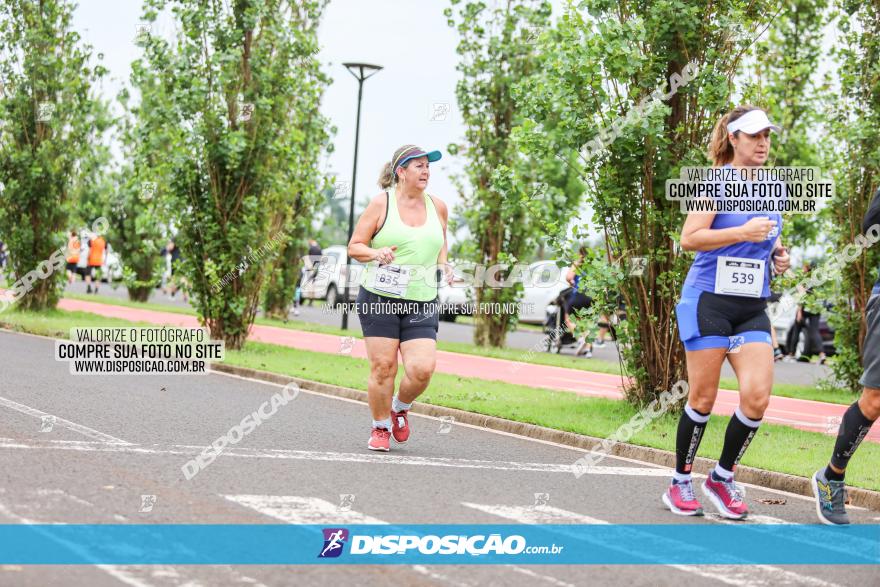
(799, 413)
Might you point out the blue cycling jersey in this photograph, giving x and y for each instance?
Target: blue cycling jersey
(702, 272)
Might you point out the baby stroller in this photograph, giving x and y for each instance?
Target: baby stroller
(556, 333)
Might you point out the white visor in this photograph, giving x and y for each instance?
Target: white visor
(752, 122)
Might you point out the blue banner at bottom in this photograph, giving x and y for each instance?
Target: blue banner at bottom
(271, 544)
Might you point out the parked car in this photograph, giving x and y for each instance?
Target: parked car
(328, 281)
(455, 299)
(111, 270)
(546, 280)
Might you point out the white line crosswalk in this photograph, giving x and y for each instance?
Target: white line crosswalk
(739, 575)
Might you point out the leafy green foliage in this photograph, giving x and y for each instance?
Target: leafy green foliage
(781, 77)
(509, 196)
(49, 126)
(139, 205)
(310, 138)
(239, 90)
(854, 116)
(602, 60)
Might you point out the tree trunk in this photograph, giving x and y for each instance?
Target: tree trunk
(139, 293)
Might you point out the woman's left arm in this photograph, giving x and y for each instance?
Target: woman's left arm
(442, 258)
(781, 258)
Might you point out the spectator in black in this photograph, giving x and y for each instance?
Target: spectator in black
(808, 321)
(310, 271)
(577, 301)
(170, 279)
(4, 259)
(314, 251)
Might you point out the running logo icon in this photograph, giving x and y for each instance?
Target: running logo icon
(334, 540)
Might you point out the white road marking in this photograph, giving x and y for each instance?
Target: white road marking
(329, 456)
(134, 575)
(294, 509)
(539, 514)
(84, 430)
(301, 510)
(580, 451)
(115, 571)
(423, 570)
(829, 543)
(732, 574)
(61, 492)
(534, 575)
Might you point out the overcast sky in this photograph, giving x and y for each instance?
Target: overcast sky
(412, 100)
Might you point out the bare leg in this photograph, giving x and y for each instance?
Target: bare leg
(753, 365)
(382, 353)
(704, 372)
(419, 360)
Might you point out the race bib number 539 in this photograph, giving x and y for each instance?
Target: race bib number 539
(738, 276)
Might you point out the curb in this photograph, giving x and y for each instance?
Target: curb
(859, 497)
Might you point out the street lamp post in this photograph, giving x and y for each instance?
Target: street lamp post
(361, 71)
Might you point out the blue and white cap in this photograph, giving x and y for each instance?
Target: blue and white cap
(407, 152)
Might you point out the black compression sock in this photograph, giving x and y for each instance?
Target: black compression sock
(853, 428)
(740, 432)
(687, 440)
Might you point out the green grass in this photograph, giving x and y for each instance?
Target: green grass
(129, 304)
(519, 326)
(777, 448)
(535, 356)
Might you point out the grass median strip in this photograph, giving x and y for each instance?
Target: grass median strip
(778, 448)
(534, 356)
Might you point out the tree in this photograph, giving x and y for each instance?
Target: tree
(784, 67)
(310, 139)
(854, 117)
(503, 187)
(49, 125)
(640, 84)
(231, 86)
(140, 204)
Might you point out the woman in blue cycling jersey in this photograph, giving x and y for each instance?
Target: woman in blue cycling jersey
(722, 314)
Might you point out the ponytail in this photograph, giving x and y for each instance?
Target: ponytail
(387, 177)
(720, 147)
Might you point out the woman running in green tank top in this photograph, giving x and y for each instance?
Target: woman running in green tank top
(402, 237)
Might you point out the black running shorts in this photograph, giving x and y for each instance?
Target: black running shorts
(871, 354)
(396, 318)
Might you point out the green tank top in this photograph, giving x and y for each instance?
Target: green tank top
(417, 250)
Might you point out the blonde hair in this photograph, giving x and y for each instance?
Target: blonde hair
(720, 147)
(388, 175)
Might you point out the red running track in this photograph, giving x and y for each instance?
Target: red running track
(804, 414)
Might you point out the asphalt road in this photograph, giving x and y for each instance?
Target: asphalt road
(795, 373)
(119, 438)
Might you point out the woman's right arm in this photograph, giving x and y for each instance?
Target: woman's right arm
(698, 234)
(359, 245)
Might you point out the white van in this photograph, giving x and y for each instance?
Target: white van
(326, 279)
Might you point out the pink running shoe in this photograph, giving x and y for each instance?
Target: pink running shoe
(681, 500)
(727, 497)
(379, 440)
(400, 426)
